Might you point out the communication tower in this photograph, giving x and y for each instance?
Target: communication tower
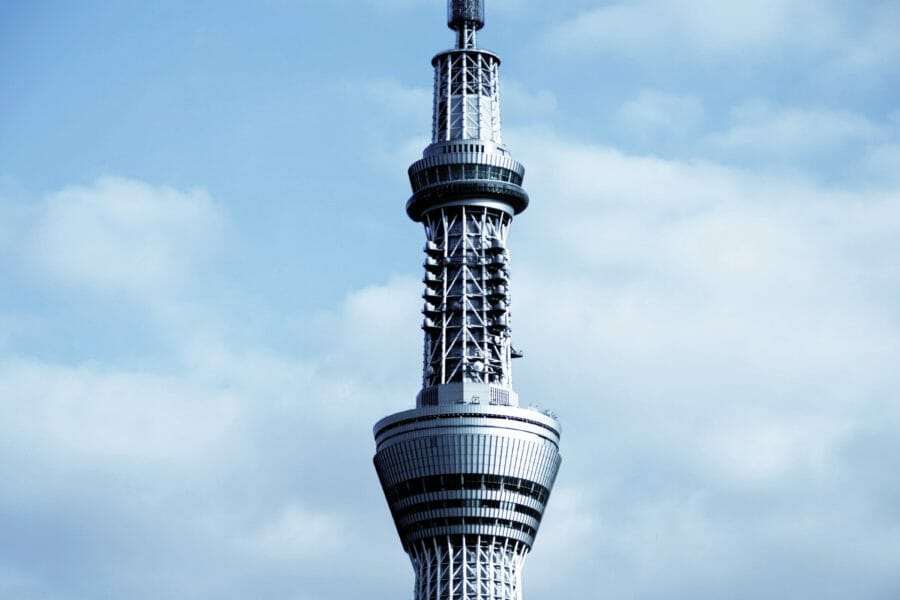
(467, 473)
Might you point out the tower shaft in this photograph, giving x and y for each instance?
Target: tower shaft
(467, 473)
(481, 568)
(466, 300)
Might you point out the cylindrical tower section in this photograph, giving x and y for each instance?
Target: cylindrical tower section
(465, 12)
(466, 296)
(466, 96)
(467, 487)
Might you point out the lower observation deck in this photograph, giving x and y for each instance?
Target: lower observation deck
(456, 472)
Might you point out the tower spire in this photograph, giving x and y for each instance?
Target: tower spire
(465, 17)
(467, 473)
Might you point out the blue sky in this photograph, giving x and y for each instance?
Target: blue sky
(209, 292)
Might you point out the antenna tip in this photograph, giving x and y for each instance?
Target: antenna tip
(460, 12)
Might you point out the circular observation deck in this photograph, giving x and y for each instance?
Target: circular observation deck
(466, 173)
(467, 471)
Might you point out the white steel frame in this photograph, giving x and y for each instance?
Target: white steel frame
(467, 320)
(473, 568)
(466, 96)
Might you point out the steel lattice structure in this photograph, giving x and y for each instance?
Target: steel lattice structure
(467, 473)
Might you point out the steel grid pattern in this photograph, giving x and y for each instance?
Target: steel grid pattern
(466, 96)
(473, 568)
(467, 322)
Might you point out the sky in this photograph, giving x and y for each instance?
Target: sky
(209, 292)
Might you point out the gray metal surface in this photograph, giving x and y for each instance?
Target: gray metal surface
(467, 474)
(466, 96)
(470, 471)
(460, 12)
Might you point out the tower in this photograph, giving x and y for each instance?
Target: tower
(467, 473)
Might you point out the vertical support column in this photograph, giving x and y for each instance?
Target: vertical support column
(464, 96)
(478, 554)
(446, 294)
(464, 315)
(448, 115)
(466, 36)
(450, 568)
(436, 106)
(438, 564)
(479, 568)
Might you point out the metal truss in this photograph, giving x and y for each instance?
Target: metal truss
(467, 322)
(466, 94)
(473, 568)
(466, 36)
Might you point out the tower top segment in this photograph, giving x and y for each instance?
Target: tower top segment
(466, 162)
(464, 14)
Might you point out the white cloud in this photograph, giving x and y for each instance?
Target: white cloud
(397, 99)
(127, 236)
(88, 414)
(574, 520)
(14, 219)
(403, 110)
(653, 113)
(745, 258)
(883, 161)
(524, 103)
(706, 28)
(298, 535)
(874, 48)
(759, 129)
(370, 321)
(225, 462)
(713, 338)
(220, 456)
